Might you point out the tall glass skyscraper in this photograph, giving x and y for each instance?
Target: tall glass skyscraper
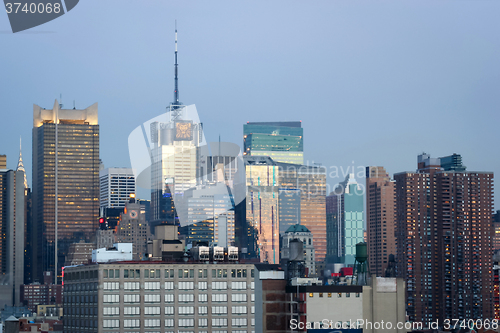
(346, 224)
(282, 141)
(278, 195)
(65, 181)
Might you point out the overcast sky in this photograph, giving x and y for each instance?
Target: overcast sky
(374, 83)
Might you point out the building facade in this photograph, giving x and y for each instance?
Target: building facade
(116, 186)
(346, 220)
(380, 219)
(265, 181)
(133, 228)
(159, 297)
(305, 236)
(73, 136)
(12, 227)
(282, 141)
(444, 241)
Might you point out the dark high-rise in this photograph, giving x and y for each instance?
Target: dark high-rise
(66, 167)
(444, 242)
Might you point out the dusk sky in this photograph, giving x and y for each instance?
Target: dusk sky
(374, 83)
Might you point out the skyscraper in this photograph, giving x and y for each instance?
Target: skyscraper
(282, 141)
(259, 221)
(346, 224)
(65, 181)
(12, 214)
(116, 185)
(380, 219)
(176, 138)
(444, 240)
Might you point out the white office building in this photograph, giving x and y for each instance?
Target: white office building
(116, 185)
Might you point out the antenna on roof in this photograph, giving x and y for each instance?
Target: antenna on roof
(74, 105)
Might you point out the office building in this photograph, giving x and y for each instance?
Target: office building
(257, 218)
(303, 234)
(282, 141)
(116, 186)
(444, 241)
(65, 181)
(346, 224)
(160, 297)
(3, 161)
(380, 219)
(12, 227)
(133, 228)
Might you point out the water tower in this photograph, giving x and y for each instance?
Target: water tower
(362, 272)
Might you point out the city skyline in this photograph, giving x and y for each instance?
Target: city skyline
(412, 77)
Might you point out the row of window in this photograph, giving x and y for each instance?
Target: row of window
(181, 273)
(170, 298)
(329, 295)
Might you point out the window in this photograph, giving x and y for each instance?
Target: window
(151, 322)
(186, 298)
(219, 297)
(347, 294)
(111, 286)
(131, 285)
(202, 322)
(152, 310)
(219, 285)
(169, 298)
(111, 311)
(239, 309)
(202, 285)
(239, 285)
(219, 309)
(311, 295)
(186, 322)
(132, 310)
(329, 295)
(128, 323)
(239, 297)
(320, 294)
(153, 298)
(202, 298)
(169, 310)
(185, 285)
(202, 310)
(169, 285)
(186, 310)
(219, 322)
(339, 295)
(125, 273)
(111, 323)
(151, 285)
(111, 298)
(239, 322)
(169, 323)
(169, 274)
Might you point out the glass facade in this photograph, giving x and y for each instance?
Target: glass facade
(262, 209)
(282, 141)
(77, 179)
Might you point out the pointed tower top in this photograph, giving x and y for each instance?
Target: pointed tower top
(20, 165)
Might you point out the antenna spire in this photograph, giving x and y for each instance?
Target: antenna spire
(176, 89)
